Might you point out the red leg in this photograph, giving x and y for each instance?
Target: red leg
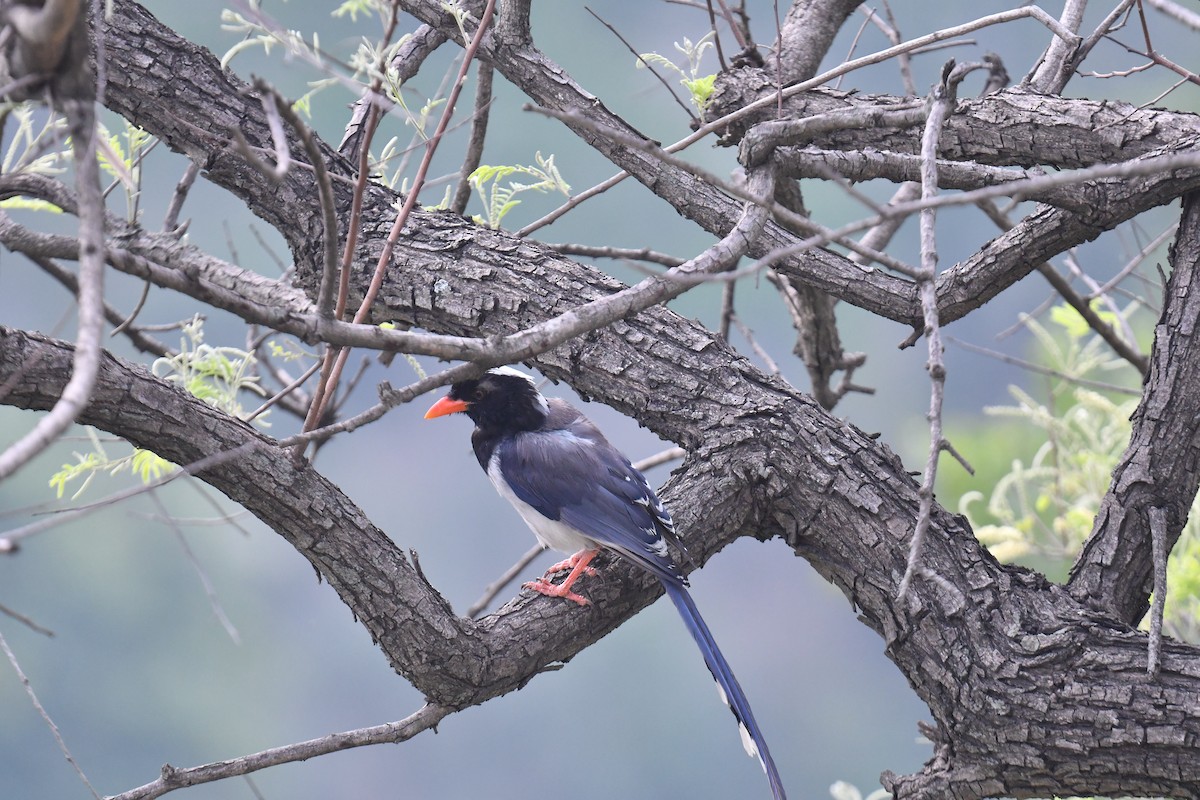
(572, 562)
(579, 566)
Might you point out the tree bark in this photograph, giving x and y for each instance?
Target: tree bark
(1035, 689)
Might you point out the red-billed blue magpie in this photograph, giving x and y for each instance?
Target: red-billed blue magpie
(579, 495)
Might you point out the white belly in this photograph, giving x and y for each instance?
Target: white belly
(552, 533)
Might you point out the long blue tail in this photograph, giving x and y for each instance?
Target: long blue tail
(731, 692)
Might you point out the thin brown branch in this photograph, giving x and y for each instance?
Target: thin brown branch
(91, 296)
(479, 124)
(137, 335)
(37, 705)
(1158, 540)
(623, 253)
(171, 218)
(25, 620)
(508, 576)
(329, 233)
(1038, 368)
(643, 62)
(941, 107)
(173, 778)
(1158, 57)
(210, 592)
(1120, 346)
(321, 398)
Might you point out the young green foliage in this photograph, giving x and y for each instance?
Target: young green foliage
(216, 375)
(147, 466)
(500, 198)
(699, 87)
(33, 148)
(254, 33)
(1045, 509)
(121, 156)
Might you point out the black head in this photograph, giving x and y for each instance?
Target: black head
(504, 399)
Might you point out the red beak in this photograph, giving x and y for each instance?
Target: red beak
(447, 405)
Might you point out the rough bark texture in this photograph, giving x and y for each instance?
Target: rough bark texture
(1160, 466)
(806, 34)
(1035, 689)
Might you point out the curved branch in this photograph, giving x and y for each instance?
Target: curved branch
(1160, 466)
(1007, 663)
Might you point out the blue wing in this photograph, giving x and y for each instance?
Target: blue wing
(574, 476)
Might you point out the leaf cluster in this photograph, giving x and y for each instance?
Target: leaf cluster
(499, 198)
(1045, 508)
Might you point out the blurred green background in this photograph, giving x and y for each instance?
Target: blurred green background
(141, 671)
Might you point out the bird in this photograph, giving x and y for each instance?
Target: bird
(580, 495)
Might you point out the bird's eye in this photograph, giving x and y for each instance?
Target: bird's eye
(478, 393)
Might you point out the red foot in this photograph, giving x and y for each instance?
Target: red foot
(578, 564)
(543, 586)
(572, 562)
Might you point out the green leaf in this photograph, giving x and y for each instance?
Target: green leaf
(1069, 320)
(29, 204)
(149, 466)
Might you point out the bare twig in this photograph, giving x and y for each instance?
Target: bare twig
(126, 323)
(328, 387)
(509, 575)
(284, 392)
(62, 745)
(137, 335)
(670, 89)
(214, 602)
(171, 218)
(479, 122)
(748, 335)
(891, 30)
(173, 778)
(939, 112)
(1123, 348)
(329, 263)
(91, 296)
(572, 202)
(625, 254)
(24, 620)
(1158, 57)
(1134, 262)
(1158, 543)
(1032, 367)
(660, 458)
(9, 540)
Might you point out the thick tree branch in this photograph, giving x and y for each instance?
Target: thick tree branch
(806, 34)
(1002, 648)
(1160, 468)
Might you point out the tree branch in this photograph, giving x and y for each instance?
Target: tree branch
(1159, 468)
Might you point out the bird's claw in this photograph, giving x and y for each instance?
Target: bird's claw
(543, 586)
(569, 564)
